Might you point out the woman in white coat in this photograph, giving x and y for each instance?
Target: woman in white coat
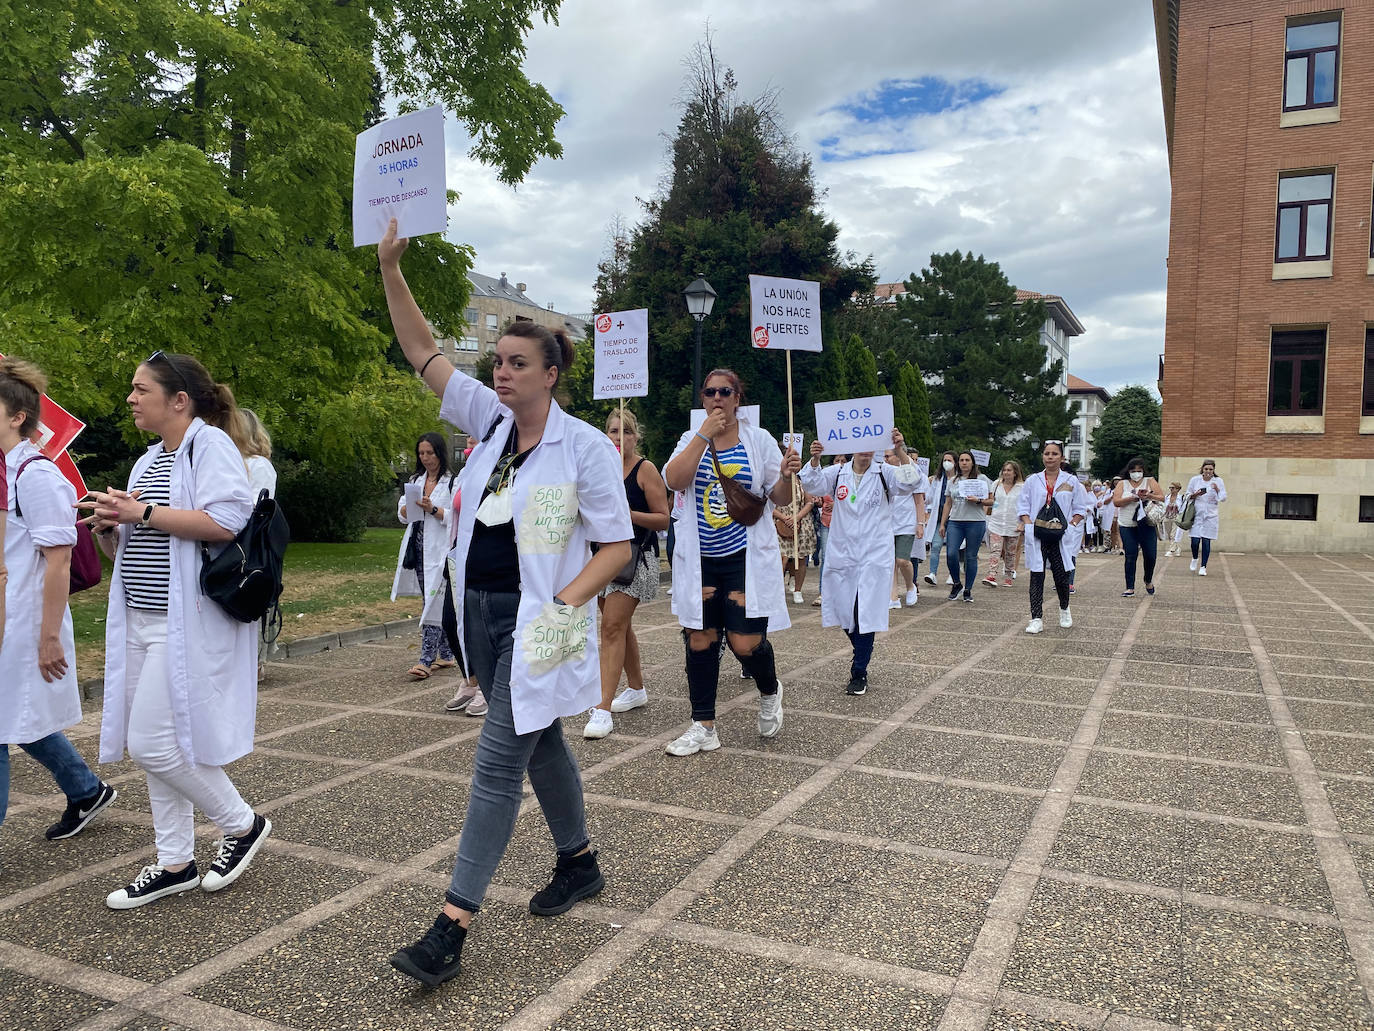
(429, 535)
(262, 476)
(38, 690)
(727, 577)
(858, 571)
(1073, 501)
(181, 686)
(1207, 492)
(538, 490)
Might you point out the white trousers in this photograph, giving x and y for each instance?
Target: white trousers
(176, 787)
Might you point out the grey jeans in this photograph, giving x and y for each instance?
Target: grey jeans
(503, 758)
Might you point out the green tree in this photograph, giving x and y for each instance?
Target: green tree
(915, 402)
(863, 369)
(992, 389)
(178, 176)
(1130, 428)
(738, 199)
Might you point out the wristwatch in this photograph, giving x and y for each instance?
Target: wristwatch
(147, 514)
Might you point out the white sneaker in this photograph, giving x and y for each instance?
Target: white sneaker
(698, 738)
(1065, 618)
(929, 578)
(770, 714)
(670, 592)
(478, 706)
(599, 724)
(1035, 626)
(949, 580)
(912, 596)
(1201, 570)
(1192, 566)
(797, 597)
(894, 604)
(630, 699)
(1013, 574)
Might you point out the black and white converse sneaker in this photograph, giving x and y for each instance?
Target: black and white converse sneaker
(235, 853)
(79, 813)
(151, 884)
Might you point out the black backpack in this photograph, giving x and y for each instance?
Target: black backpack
(245, 579)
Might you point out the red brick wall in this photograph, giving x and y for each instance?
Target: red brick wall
(1228, 149)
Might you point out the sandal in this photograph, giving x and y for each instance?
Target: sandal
(444, 663)
(419, 671)
(1149, 589)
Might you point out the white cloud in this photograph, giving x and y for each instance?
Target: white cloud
(1062, 177)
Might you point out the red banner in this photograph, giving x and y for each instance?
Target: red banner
(57, 428)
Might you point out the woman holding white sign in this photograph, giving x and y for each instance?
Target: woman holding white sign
(539, 488)
(964, 522)
(858, 570)
(1051, 501)
(727, 570)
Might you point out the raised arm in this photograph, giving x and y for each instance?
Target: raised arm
(412, 331)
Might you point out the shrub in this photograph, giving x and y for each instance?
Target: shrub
(328, 504)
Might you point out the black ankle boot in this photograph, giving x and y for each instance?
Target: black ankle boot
(574, 878)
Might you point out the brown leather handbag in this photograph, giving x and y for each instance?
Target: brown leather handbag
(744, 506)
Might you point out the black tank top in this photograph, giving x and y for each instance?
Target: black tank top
(639, 502)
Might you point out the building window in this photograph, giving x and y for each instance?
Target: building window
(1075, 434)
(1297, 366)
(1291, 506)
(468, 344)
(1311, 57)
(471, 316)
(1367, 407)
(1367, 508)
(492, 322)
(1302, 228)
(1075, 457)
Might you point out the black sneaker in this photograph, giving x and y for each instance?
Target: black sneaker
(968, 596)
(78, 814)
(235, 854)
(858, 683)
(955, 591)
(574, 878)
(433, 959)
(151, 884)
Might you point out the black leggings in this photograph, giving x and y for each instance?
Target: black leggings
(725, 615)
(1055, 561)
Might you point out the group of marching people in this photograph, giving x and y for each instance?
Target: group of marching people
(545, 532)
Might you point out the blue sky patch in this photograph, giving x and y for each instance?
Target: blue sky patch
(902, 100)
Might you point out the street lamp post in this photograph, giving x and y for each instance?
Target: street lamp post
(700, 297)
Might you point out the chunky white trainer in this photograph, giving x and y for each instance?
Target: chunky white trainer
(1065, 618)
(599, 725)
(1035, 626)
(630, 699)
(699, 738)
(1192, 566)
(1201, 570)
(912, 596)
(770, 713)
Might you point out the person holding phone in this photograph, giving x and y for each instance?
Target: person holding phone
(1133, 493)
(1207, 492)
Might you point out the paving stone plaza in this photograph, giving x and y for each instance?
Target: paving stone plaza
(1161, 818)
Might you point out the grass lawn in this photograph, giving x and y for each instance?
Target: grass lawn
(327, 587)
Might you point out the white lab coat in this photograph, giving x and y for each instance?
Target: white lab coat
(1073, 499)
(763, 595)
(1206, 523)
(858, 552)
(30, 707)
(405, 584)
(933, 505)
(212, 658)
(568, 493)
(262, 476)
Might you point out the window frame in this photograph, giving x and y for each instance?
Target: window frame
(1309, 54)
(1366, 509)
(1367, 389)
(1302, 207)
(1271, 501)
(1296, 355)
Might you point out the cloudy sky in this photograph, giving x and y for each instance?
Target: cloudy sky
(1031, 133)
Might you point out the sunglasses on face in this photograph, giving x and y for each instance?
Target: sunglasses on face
(157, 356)
(717, 391)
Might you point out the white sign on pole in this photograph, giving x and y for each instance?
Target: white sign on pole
(622, 354)
(923, 464)
(981, 458)
(794, 441)
(398, 172)
(861, 424)
(785, 313)
(749, 413)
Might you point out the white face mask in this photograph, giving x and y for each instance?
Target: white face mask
(949, 467)
(1137, 476)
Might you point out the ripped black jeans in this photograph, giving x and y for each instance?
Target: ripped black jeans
(723, 611)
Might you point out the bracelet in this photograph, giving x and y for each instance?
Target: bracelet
(559, 601)
(705, 438)
(426, 365)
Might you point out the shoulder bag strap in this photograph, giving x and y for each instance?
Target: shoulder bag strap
(19, 512)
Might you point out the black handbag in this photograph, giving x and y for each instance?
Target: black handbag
(1050, 522)
(626, 574)
(414, 558)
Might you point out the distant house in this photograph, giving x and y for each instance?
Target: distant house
(1087, 403)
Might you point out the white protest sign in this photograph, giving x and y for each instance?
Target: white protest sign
(793, 440)
(398, 172)
(923, 464)
(749, 413)
(622, 354)
(860, 424)
(785, 313)
(413, 492)
(973, 490)
(981, 458)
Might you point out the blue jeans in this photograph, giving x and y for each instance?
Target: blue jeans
(63, 761)
(1136, 539)
(1206, 547)
(504, 757)
(937, 545)
(863, 646)
(969, 533)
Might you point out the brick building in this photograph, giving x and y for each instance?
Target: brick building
(1269, 336)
